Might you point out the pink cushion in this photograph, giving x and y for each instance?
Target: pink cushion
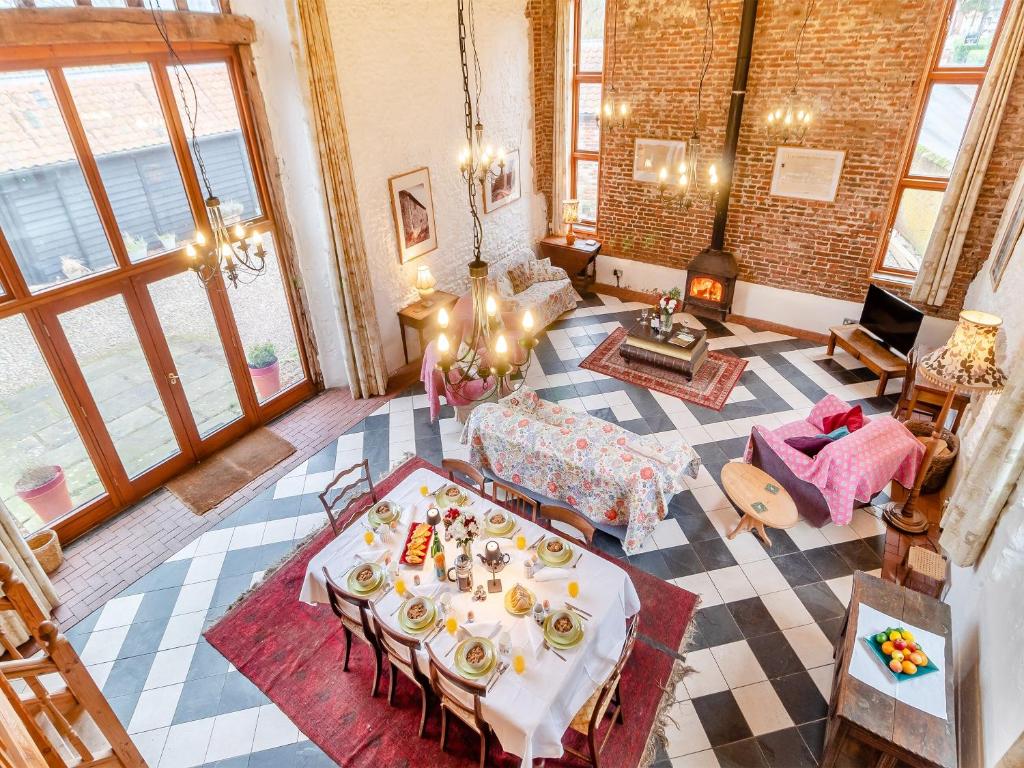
(827, 406)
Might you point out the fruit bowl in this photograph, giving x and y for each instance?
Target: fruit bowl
(897, 647)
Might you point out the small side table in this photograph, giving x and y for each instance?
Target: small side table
(422, 317)
(579, 260)
(761, 499)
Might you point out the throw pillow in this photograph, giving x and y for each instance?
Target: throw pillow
(520, 276)
(528, 273)
(852, 419)
(809, 446)
(836, 433)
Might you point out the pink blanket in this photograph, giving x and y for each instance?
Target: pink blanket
(855, 467)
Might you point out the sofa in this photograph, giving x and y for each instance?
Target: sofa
(546, 300)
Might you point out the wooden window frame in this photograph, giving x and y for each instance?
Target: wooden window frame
(581, 77)
(128, 279)
(934, 74)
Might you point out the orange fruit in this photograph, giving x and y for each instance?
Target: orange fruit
(918, 659)
(909, 668)
(887, 648)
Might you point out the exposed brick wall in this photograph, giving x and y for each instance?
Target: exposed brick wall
(861, 69)
(541, 14)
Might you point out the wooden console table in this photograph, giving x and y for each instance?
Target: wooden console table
(879, 360)
(867, 727)
(421, 317)
(579, 260)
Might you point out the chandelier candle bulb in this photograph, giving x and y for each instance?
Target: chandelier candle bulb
(501, 346)
(442, 318)
(528, 322)
(443, 347)
(491, 306)
(239, 231)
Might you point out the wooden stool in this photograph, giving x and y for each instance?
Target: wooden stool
(760, 498)
(924, 571)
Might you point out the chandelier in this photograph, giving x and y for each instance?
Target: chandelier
(615, 113)
(788, 123)
(490, 360)
(681, 187)
(232, 252)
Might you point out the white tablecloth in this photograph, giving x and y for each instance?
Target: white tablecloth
(530, 712)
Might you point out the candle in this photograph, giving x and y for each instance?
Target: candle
(442, 318)
(257, 238)
(190, 251)
(200, 238)
(443, 347)
(491, 305)
(528, 321)
(239, 232)
(501, 346)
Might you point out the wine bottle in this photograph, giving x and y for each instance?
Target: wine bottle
(437, 555)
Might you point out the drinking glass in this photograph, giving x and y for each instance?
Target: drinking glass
(452, 625)
(518, 661)
(424, 490)
(520, 542)
(504, 644)
(368, 537)
(400, 587)
(574, 589)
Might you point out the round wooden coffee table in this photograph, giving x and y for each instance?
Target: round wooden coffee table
(759, 497)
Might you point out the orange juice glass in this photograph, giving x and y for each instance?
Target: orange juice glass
(424, 490)
(368, 537)
(520, 542)
(574, 589)
(451, 625)
(400, 586)
(519, 663)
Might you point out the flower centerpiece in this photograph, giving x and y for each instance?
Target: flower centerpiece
(667, 305)
(462, 528)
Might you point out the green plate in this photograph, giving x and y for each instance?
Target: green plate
(446, 498)
(563, 642)
(463, 667)
(552, 558)
(383, 512)
(877, 650)
(499, 529)
(424, 622)
(370, 585)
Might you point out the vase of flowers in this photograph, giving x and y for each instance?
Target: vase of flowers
(667, 305)
(462, 529)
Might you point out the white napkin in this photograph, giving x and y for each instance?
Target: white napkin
(551, 574)
(375, 555)
(423, 590)
(488, 629)
(529, 636)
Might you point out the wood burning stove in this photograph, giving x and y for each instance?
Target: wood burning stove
(710, 284)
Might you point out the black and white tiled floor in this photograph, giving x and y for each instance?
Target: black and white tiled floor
(761, 648)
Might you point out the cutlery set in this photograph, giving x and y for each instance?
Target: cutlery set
(502, 666)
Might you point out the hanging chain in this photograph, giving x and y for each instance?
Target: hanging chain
(800, 41)
(478, 230)
(706, 55)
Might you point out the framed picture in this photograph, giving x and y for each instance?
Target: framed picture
(413, 205)
(503, 189)
(807, 174)
(1008, 234)
(651, 155)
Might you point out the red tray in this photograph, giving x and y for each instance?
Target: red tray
(405, 547)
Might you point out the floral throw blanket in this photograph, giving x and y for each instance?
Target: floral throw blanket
(607, 473)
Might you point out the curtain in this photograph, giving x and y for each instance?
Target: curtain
(364, 355)
(15, 552)
(562, 149)
(992, 472)
(943, 252)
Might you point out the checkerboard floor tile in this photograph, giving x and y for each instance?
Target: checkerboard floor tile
(760, 648)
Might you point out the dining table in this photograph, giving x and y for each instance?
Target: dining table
(528, 712)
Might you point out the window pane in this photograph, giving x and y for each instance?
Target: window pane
(591, 35)
(220, 137)
(263, 317)
(971, 32)
(942, 129)
(915, 220)
(106, 347)
(46, 209)
(588, 130)
(37, 434)
(121, 115)
(586, 189)
(204, 6)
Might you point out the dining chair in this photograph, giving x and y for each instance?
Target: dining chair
(607, 701)
(453, 691)
(513, 500)
(400, 650)
(335, 508)
(355, 620)
(463, 470)
(573, 519)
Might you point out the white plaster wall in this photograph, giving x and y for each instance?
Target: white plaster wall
(282, 79)
(398, 65)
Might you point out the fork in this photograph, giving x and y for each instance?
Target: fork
(502, 666)
(538, 541)
(578, 610)
(435, 631)
(546, 645)
(578, 558)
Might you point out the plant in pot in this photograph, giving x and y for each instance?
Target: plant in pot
(137, 247)
(45, 489)
(264, 369)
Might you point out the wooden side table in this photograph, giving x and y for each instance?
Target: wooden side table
(760, 497)
(876, 357)
(422, 317)
(870, 727)
(579, 260)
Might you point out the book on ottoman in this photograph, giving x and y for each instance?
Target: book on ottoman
(681, 351)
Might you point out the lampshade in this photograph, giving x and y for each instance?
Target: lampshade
(425, 281)
(570, 211)
(967, 362)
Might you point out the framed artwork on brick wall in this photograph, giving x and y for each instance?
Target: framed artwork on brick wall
(807, 174)
(651, 155)
(412, 203)
(504, 188)
(1011, 227)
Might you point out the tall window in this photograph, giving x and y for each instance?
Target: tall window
(956, 70)
(588, 63)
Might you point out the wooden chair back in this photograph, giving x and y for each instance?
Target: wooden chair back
(466, 472)
(70, 724)
(573, 519)
(351, 609)
(453, 689)
(339, 503)
(514, 500)
(399, 647)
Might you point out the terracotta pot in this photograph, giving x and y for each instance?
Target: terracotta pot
(49, 500)
(267, 380)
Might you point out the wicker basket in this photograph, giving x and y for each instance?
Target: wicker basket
(941, 465)
(46, 547)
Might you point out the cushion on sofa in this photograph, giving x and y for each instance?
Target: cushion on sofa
(827, 406)
(853, 420)
(529, 273)
(808, 445)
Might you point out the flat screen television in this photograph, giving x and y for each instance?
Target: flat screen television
(892, 320)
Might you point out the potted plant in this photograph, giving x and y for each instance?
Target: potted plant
(136, 246)
(168, 240)
(45, 489)
(264, 369)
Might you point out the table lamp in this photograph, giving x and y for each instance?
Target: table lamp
(570, 216)
(966, 364)
(425, 283)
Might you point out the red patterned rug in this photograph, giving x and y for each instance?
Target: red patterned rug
(293, 651)
(709, 388)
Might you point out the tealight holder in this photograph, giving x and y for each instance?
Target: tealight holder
(494, 560)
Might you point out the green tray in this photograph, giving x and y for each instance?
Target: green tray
(877, 650)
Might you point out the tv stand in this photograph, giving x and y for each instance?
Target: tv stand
(878, 359)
